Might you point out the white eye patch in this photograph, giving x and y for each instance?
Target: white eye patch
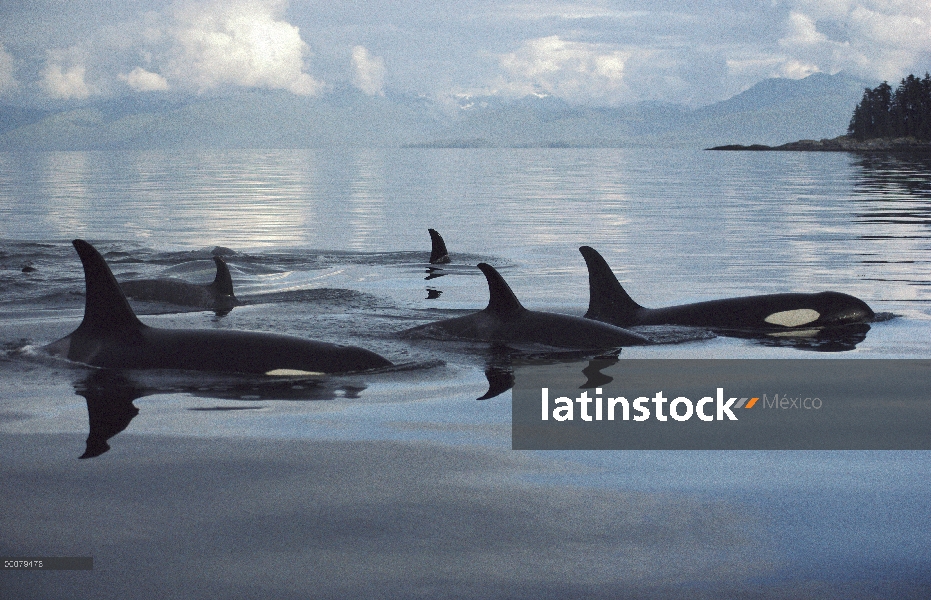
(793, 318)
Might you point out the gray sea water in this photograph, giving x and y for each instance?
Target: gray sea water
(401, 484)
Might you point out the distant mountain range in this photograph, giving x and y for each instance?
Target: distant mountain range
(774, 111)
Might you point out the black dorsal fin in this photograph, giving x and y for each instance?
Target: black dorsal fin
(438, 254)
(502, 300)
(607, 300)
(223, 282)
(106, 309)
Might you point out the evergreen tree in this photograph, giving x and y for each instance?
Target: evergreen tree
(883, 113)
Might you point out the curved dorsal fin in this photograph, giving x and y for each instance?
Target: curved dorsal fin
(607, 300)
(106, 309)
(223, 282)
(438, 254)
(502, 300)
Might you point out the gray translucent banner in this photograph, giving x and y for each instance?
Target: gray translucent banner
(48, 563)
(723, 405)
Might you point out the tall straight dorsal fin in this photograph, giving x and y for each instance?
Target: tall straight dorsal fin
(223, 282)
(106, 309)
(502, 300)
(607, 300)
(438, 253)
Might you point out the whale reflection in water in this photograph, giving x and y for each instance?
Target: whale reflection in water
(110, 395)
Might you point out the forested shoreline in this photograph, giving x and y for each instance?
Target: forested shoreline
(885, 120)
(903, 113)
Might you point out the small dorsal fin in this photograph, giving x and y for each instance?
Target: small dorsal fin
(106, 309)
(502, 300)
(607, 300)
(223, 282)
(438, 254)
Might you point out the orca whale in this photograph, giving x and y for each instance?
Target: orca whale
(608, 302)
(217, 296)
(111, 336)
(438, 253)
(505, 320)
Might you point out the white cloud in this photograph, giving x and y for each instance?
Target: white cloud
(67, 83)
(7, 77)
(802, 32)
(570, 70)
(368, 71)
(144, 81)
(794, 69)
(239, 42)
(593, 52)
(873, 38)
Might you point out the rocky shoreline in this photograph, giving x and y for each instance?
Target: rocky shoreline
(839, 144)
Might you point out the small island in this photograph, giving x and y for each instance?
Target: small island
(883, 121)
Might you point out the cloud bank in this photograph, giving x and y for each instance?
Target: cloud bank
(882, 39)
(192, 46)
(573, 71)
(593, 52)
(241, 43)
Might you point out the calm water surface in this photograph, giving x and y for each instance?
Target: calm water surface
(676, 223)
(333, 245)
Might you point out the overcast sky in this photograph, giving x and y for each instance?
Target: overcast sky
(601, 53)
